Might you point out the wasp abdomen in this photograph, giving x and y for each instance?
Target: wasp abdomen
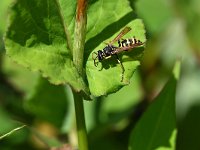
(128, 42)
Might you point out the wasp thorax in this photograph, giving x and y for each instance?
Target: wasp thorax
(100, 55)
(107, 51)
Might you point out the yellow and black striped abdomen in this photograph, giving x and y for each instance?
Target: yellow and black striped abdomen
(128, 42)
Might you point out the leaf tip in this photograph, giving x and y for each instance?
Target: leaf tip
(176, 69)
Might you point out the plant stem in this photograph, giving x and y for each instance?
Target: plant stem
(78, 51)
(79, 36)
(1, 49)
(80, 122)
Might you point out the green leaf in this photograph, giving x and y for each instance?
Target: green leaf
(40, 37)
(108, 80)
(157, 127)
(172, 141)
(189, 131)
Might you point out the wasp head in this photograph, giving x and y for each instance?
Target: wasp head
(97, 57)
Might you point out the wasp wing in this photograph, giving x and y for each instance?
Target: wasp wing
(120, 35)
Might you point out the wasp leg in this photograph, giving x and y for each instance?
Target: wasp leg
(122, 67)
(101, 67)
(95, 58)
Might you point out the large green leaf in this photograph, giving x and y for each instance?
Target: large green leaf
(40, 37)
(157, 127)
(108, 80)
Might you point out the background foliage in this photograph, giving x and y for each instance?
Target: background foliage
(173, 33)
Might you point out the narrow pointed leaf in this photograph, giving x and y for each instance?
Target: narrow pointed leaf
(157, 127)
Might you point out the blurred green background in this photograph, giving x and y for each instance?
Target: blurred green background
(173, 32)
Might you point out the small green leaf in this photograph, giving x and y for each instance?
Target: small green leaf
(157, 127)
(108, 80)
(40, 37)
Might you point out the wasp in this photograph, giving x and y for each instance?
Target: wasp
(110, 50)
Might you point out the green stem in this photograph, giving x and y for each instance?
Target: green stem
(1, 56)
(78, 51)
(79, 35)
(80, 122)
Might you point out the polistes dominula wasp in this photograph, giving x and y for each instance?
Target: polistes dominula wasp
(110, 50)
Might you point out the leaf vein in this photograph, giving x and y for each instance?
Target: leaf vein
(67, 35)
